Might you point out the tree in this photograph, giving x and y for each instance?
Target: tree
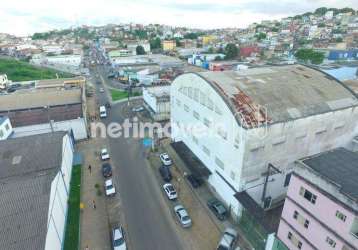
(140, 50)
(155, 43)
(260, 36)
(231, 51)
(307, 55)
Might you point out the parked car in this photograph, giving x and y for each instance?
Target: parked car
(170, 191)
(137, 109)
(228, 239)
(107, 105)
(218, 208)
(98, 82)
(165, 159)
(182, 216)
(109, 187)
(101, 90)
(104, 154)
(165, 173)
(106, 170)
(194, 181)
(118, 240)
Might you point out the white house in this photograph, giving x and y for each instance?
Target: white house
(157, 101)
(257, 122)
(3, 81)
(35, 182)
(5, 128)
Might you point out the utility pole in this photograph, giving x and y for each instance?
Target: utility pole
(274, 170)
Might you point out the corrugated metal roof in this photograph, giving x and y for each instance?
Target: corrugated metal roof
(25, 187)
(280, 93)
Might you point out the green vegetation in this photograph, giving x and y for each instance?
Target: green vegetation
(22, 71)
(73, 216)
(192, 35)
(140, 50)
(309, 55)
(155, 43)
(78, 32)
(120, 95)
(260, 36)
(231, 51)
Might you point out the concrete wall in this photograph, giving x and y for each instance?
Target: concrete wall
(282, 143)
(58, 207)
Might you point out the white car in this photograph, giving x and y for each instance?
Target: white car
(104, 154)
(137, 109)
(182, 216)
(228, 239)
(109, 187)
(170, 191)
(165, 159)
(101, 90)
(118, 241)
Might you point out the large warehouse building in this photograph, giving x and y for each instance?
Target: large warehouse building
(260, 121)
(35, 176)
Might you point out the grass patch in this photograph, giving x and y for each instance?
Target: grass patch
(73, 216)
(23, 71)
(118, 94)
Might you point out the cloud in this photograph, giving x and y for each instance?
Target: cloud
(23, 17)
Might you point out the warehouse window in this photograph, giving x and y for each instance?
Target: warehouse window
(196, 95)
(207, 122)
(190, 92)
(219, 163)
(206, 150)
(222, 133)
(195, 140)
(196, 115)
(178, 103)
(232, 175)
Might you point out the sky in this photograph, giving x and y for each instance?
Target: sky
(24, 17)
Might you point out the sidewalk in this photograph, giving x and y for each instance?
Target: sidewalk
(95, 230)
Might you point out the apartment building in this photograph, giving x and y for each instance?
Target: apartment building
(321, 207)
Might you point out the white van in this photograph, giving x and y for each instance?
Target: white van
(102, 112)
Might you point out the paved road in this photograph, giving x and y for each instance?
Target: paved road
(148, 220)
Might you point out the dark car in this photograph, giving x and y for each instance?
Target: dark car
(165, 173)
(218, 208)
(194, 181)
(106, 170)
(107, 105)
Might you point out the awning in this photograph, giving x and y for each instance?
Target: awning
(192, 162)
(269, 219)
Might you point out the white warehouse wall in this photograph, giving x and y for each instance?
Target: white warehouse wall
(58, 199)
(223, 149)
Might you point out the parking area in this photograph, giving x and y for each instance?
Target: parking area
(203, 234)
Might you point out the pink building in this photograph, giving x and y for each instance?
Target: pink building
(321, 207)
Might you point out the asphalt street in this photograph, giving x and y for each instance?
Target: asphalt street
(150, 225)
